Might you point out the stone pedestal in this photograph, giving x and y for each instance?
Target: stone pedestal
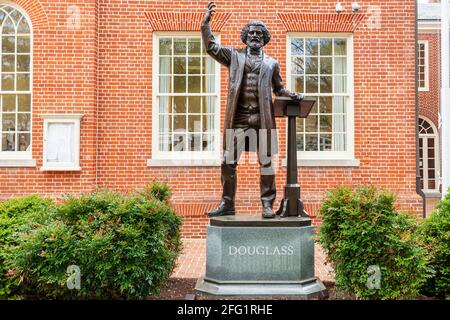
(251, 256)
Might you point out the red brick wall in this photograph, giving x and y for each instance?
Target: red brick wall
(429, 100)
(64, 81)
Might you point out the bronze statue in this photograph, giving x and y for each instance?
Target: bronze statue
(252, 77)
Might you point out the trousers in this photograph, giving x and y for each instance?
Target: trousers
(246, 136)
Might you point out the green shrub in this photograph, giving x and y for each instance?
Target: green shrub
(125, 246)
(156, 190)
(362, 233)
(14, 215)
(435, 234)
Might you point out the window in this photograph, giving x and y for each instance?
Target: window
(428, 156)
(185, 110)
(61, 142)
(15, 84)
(423, 66)
(321, 68)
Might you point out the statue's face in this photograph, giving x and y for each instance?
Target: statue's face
(255, 37)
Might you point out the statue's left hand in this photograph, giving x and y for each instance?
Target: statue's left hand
(297, 96)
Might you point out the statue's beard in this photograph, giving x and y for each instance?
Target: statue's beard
(255, 45)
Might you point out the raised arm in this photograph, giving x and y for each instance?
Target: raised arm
(278, 88)
(215, 50)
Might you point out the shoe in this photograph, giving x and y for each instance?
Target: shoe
(224, 209)
(268, 213)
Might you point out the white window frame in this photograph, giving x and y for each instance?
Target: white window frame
(21, 158)
(437, 162)
(427, 65)
(62, 166)
(327, 158)
(174, 158)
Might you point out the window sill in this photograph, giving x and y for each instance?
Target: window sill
(432, 194)
(326, 163)
(60, 169)
(183, 162)
(17, 163)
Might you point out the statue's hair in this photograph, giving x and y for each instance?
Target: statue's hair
(246, 28)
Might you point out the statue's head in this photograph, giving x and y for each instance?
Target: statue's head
(255, 34)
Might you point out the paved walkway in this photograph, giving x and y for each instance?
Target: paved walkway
(191, 263)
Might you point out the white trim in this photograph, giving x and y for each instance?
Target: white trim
(21, 155)
(349, 154)
(437, 156)
(17, 163)
(62, 118)
(427, 65)
(185, 156)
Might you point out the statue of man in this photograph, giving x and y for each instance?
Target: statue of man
(252, 77)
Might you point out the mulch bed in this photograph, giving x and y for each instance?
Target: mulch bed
(183, 289)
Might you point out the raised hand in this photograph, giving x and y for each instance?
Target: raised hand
(209, 12)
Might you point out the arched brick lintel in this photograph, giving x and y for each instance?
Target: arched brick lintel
(35, 11)
(301, 22)
(183, 21)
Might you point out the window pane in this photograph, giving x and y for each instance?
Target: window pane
(326, 65)
(312, 85)
(194, 65)
(165, 46)
(179, 105)
(194, 123)
(23, 27)
(194, 46)
(9, 122)
(298, 84)
(311, 142)
(312, 65)
(326, 84)
(326, 47)
(165, 84)
(326, 142)
(194, 104)
(179, 84)
(194, 84)
(24, 141)
(23, 44)
(208, 142)
(8, 82)
(23, 82)
(209, 104)
(326, 104)
(9, 103)
(209, 83)
(312, 47)
(165, 65)
(312, 123)
(340, 65)
(8, 44)
(24, 122)
(179, 46)
(179, 65)
(165, 123)
(208, 123)
(195, 142)
(179, 142)
(297, 46)
(300, 125)
(179, 123)
(298, 66)
(326, 124)
(300, 142)
(340, 47)
(8, 62)
(8, 142)
(23, 63)
(340, 85)
(165, 142)
(8, 26)
(165, 104)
